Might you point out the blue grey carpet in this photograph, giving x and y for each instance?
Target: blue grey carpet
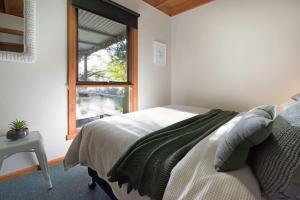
(72, 184)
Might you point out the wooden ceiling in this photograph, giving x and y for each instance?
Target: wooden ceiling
(174, 7)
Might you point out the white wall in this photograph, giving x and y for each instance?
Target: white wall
(236, 54)
(37, 92)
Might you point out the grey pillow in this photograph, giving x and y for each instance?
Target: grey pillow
(251, 130)
(296, 97)
(276, 162)
(267, 112)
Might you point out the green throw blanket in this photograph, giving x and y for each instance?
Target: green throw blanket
(147, 164)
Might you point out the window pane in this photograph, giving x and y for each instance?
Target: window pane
(102, 49)
(95, 103)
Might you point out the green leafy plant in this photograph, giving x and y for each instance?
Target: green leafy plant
(18, 125)
(117, 68)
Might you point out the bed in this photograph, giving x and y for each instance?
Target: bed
(99, 145)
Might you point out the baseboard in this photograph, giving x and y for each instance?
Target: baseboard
(28, 170)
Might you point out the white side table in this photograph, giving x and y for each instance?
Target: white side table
(32, 143)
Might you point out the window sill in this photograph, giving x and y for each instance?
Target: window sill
(72, 135)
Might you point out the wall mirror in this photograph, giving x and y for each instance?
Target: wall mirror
(17, 31)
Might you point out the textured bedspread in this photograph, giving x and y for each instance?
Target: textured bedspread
(102, 143)
(147, 164)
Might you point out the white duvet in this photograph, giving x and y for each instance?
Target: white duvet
(100, 144)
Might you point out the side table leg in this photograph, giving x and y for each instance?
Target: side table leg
(44, 166)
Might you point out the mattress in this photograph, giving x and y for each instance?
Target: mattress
(101, 143)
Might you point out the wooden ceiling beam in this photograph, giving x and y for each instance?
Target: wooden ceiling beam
(187, 5)
(163, 3)
(155, 3)
(174, 7)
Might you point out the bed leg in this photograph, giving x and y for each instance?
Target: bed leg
(102, 184)
(92, 185)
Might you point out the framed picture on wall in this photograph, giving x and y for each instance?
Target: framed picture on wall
(160, 53)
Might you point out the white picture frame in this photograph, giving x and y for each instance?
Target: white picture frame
(160, 53)
(29, 54)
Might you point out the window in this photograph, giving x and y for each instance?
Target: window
(102, 75)
(97, 102)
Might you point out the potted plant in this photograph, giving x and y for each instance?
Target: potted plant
(18, 129)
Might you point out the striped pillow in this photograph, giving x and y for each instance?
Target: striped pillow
(276, 162)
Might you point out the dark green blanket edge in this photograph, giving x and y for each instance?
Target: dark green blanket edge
(146, 166)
